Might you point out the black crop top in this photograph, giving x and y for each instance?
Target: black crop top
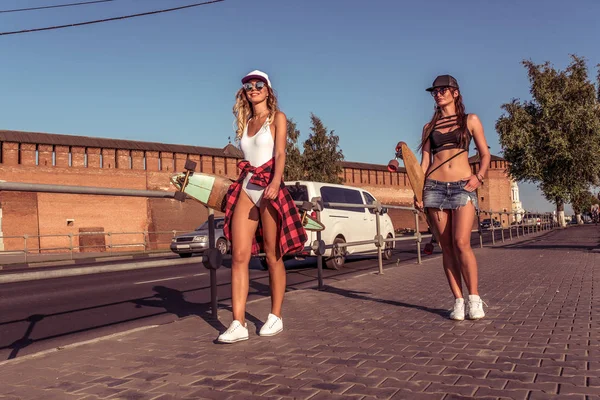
(450, 140)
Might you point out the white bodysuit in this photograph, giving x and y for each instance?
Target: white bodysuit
(257, 149)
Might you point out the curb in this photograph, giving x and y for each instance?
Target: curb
(83, 260)
(61, 273)
(76, 344)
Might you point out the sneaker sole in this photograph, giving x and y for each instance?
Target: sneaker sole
(232, 341)
(271, 334)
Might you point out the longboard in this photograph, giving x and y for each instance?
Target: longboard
(211, 191)
(417, 181)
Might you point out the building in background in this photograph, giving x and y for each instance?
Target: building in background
(58, 221)
(517, 206)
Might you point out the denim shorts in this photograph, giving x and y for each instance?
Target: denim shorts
(447, 195)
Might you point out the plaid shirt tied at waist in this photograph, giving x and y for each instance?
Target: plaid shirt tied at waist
(292, 235)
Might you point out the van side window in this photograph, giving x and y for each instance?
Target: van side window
(369, 200)
(342, 195)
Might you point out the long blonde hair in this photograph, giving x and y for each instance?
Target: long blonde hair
(242, 109)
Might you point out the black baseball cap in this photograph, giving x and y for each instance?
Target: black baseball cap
(443, 81)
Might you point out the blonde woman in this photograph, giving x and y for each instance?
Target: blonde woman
(260, 214)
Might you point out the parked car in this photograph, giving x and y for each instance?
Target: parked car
(487, 223)
(344, 224)
(196, 242)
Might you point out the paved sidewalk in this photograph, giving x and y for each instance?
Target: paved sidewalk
(373, 336)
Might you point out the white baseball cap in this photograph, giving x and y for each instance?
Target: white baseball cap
(256, 74)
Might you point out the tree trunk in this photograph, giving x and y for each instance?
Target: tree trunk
(560, 213)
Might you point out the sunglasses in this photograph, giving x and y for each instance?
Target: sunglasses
(441, 91)
(258, 85)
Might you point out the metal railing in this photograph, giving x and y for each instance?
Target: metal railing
(145, 241)
(212, 258)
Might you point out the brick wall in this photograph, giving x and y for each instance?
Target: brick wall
(132, 168)
(495, 194)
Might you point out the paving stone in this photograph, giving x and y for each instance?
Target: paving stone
(538, 340)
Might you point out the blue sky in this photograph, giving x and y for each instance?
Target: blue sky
(361, 66)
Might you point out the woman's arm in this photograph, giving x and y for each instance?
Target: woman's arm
(476, 128)
(426, 151)
(280, 125)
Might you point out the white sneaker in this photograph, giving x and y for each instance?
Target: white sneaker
(458, 312)
(272, 327)
(475, 307)
(235, 333)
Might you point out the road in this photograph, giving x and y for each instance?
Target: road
(49, 313)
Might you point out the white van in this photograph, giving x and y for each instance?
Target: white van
(344, 225)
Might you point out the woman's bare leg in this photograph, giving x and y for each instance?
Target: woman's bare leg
(243, 228)
(277, 277)
(462, 225)
(442, 221)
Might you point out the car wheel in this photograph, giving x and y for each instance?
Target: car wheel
(222, 246)
(338, 256)
(185, 255)
(264, 264)
(389, 247)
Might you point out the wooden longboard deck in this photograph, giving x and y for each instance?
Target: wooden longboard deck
(413, 170)
(416, 176)
(208, 189)
(211, 190)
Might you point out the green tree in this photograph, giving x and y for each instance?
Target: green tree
(294, 166)
(322, 156)
(582, 201)
(554, 139)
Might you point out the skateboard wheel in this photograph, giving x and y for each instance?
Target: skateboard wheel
(393, 165)
(190, 165)
(306, 206)
(179, 196)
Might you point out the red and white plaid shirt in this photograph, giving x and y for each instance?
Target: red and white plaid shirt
(292, 235)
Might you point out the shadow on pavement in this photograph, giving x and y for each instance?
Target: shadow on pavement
(173, 302)
(361, 296)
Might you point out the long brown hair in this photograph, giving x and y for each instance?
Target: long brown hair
(461, 121)
(243, 111)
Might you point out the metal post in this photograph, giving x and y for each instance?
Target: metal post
(479, 232)
(319, 257)
(492, 228)
(378, 238)
(502, 227)
(418, 237)
(510, 231)
(25, 236)
(71, 244)
(110, 243)
(213, 272)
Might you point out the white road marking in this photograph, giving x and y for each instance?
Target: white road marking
(167, 279)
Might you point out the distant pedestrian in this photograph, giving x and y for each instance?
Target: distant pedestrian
(449, 195)
(260, 214)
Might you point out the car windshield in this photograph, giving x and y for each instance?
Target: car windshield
(204, 226)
